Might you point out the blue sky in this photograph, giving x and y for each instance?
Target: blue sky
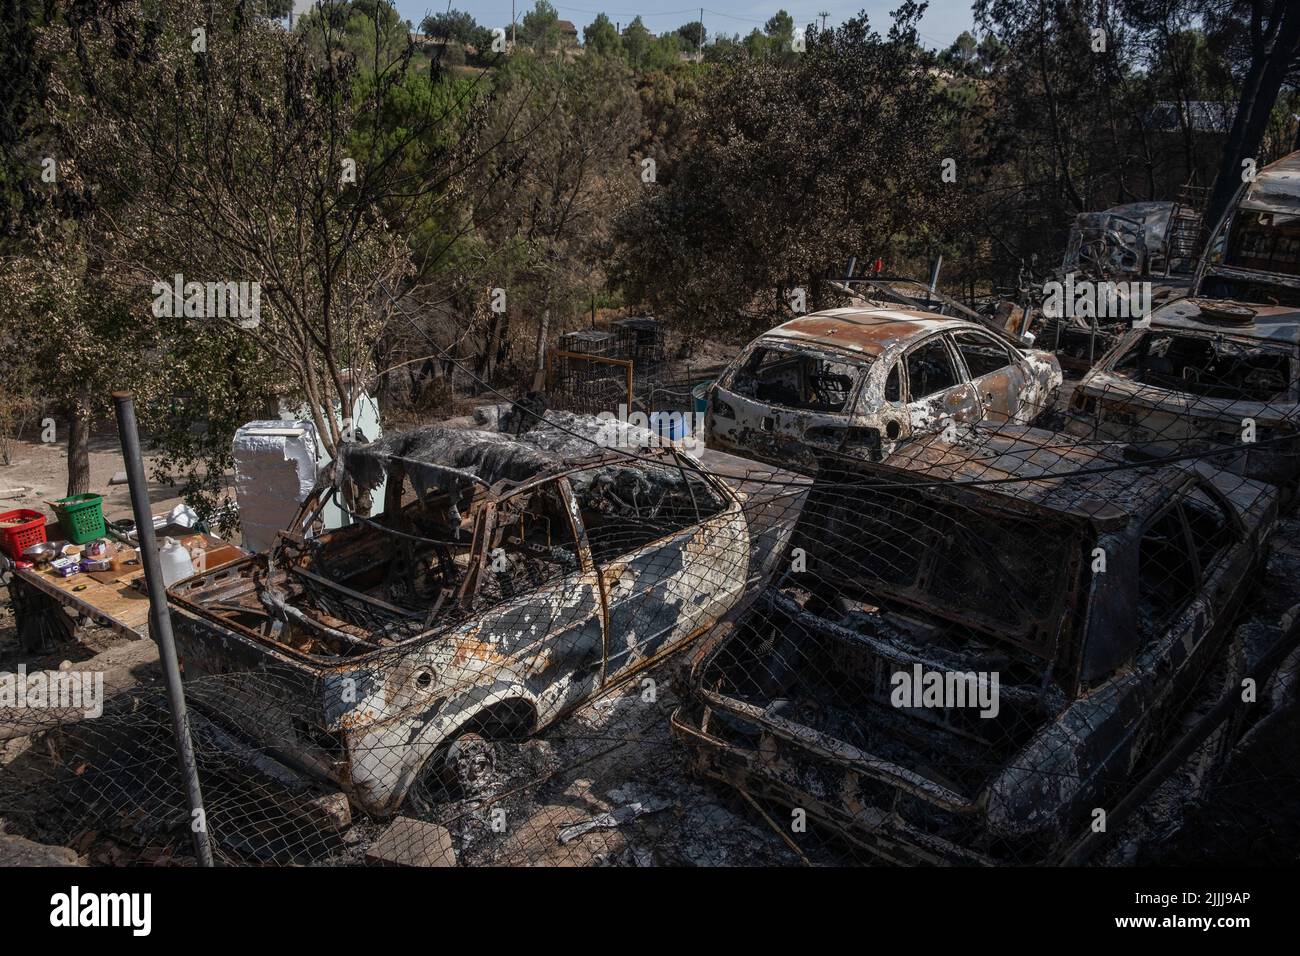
(943, 20)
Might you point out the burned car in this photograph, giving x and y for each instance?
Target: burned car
(1063, 624)
(862, 381)
(1154, 243)
(1206, 374)
(1220, 368)
(507, 580)
(1152, 239)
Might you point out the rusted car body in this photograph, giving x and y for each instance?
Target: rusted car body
(517, 584)
(861, 381)
(911, 566)
(1195, 382)
(1220, 368)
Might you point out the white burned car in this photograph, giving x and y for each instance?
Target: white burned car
(508, 580)
(863, 380)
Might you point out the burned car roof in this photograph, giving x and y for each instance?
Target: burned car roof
(486, 457)
(866, 332)
(1034, 469)
(1276, 187)
(1274, 323)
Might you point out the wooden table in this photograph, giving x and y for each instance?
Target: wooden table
(120, 604)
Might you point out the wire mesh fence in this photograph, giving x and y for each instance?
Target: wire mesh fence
(982, 642)
(589, 383)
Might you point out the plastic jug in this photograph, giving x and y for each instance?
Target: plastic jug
(175, 561)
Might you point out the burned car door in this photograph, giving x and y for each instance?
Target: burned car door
(1189, 576)
(539, 596)
(1183, 582)
(996, 375)
(937, 393)
(672, 550)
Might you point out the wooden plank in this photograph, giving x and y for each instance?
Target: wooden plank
(116, 604)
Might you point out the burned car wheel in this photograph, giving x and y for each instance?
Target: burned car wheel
(464, 769)
(470, 764)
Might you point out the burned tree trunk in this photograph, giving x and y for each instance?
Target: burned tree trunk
(1273, 48)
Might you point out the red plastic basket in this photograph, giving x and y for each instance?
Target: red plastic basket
(16, 537)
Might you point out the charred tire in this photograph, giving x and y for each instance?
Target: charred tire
(462, 769)
(469, 764)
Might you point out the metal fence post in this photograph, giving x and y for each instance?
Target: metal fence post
(160, 619)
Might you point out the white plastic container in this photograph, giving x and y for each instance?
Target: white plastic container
(175, 561)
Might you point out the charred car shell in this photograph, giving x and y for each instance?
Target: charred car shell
(793, 705)
(1206, 374)
(517, 585)
(861, 381)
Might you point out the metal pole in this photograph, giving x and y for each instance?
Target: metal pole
(934, 282)
(160, 620)
(934, 273)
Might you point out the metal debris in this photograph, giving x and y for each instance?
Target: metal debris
(613, 818)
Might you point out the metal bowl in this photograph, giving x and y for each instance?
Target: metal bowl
(43, 551)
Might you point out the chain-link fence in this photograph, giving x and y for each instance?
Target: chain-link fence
(982, 643)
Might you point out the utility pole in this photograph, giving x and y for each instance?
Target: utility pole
(512, 23)
(824, 14)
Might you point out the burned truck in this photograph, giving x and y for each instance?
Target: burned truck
(858, 382)
(507, 580)
(982, 648)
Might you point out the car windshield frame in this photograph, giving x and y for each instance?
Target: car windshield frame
(1129, 353)
(864, 364)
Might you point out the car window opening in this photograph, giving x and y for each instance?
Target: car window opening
(798, 379)
(930, 369)
(1211, 367)
(624, 509)
(982, 355)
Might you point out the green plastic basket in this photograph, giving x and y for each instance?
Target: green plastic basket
(82, 517)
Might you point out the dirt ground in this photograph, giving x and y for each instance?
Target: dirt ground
(38, 473)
